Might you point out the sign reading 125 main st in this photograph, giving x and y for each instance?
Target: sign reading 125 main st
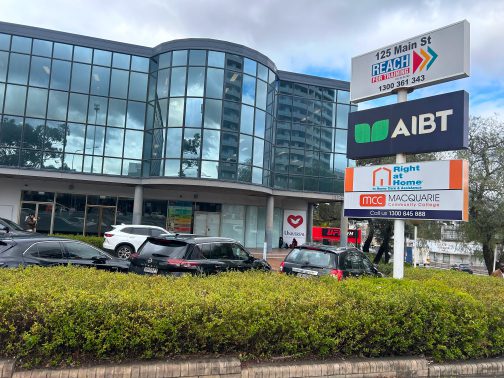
(434, 57)
(429, 190)
(437, 123)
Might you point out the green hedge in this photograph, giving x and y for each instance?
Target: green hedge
(96, 241)
(65, 315)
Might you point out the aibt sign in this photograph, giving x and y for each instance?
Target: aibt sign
(438, 123)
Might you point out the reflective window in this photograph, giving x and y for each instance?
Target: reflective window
(162, 83)
(4, 62)
(196, 81)
(81, 74)
(189, 168)
(340, 163)
(249, 86)
(92, 164)
(245, 173)
(121, 61)
(271, 77)
(179, 58)
(21, 44)
(342, 116)
(2, 91)
(257, 174)
(194, 107)
(15, 97)
(57, 106)
(139, 63)
(103, 58)
(229, 147)
(232, 86)
(31, 159)
(37, 102)
(100, 81)
(173, 143)
(71, 162)
(39, 72)
(119, 84)
(77, 107)
(5, 41)
(178, 80)
(42, 48)
(136, 115)
(75, 138)
(341, 141)
(234, 62)
(191, 144)
(111, 166)
(60, 77)
(211, 143)
(213, 114)
(133, 143)
(209, 169)
(214, 82)
(176, 112)
(33, 134)
(245, 149)
(161, 114)
(138, 86)
(10, 157)
(97, 110)
(231, 116)
(95, 138)
(197, 57)
(249, 67)
(10, 132)
(19, 66)
(247, 119)
(261, 94)
(83, 54)
(116, 113)
(62, 51)
(216, 59)
(55, 133)
(260, 121)
(165, 60)
(132, 168)
(114, 142)
(343, 97)
(262, 72)
(258, 152)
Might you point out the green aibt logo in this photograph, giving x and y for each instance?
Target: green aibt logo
(365, 133)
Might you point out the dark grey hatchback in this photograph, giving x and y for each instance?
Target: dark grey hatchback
(191, 254)
(321, 260)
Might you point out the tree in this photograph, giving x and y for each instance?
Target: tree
(486, 185)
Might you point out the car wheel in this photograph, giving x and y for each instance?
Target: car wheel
(124, 252)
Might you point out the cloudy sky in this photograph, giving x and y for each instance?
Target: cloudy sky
(316, 37)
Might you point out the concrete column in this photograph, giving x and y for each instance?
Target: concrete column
(138, 205)
(309, 223)
(268, 235)
(343, 228)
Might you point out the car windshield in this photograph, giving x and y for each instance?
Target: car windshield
(10, 224)
(311, 258)
(168, 248)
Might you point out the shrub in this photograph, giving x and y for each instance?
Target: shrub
(66, 315)
(96, 241)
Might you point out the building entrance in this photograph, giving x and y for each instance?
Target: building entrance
(43, 211)
(98, 219)
(206, 224)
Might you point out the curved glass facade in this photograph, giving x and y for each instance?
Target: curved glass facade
(181, 113)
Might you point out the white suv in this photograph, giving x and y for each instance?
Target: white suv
(125, 239)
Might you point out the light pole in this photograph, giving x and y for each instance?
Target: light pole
(96, 108)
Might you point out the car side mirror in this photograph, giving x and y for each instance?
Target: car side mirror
(4, 229)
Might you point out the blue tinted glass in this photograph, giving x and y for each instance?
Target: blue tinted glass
(77, 108)
(260, 121)
(258, 152)
(216, 59)
(192, 143)
(247, 119)
(249, 67)
(19, 67)
(232, 86)
(100, 80)
(136, 115)
(343, 97)
(114, 142)
(10, 133)
(176, 112)
(178, 79)
(43, 48)
(116, 113)
(75, 138)
(179, 58)
(83, 54)
(173, 147)
(62, 51)
(249, 87)
(213, 114)
(197, 57)
(95, 138)
(15, 99)
(209, 169)
(60, 78)
(119, 84)
(121, 61)
(342, 116)
(139, 63)
(81, 74)
(163, 81)
(103, 58)
(21, 44)
(37, 102)
(211, 143)
(4, 60)
(133, 143)
(261, 94)
(39, 72)
(5, 41)
(245, 156)
(234, 62)
(112, 166)
(271, 77)
(214, 82)
(57, 107)
(138, 86)
(196, 81)
(262, 72)
(194, 108)
(165, 60)
(132, 168)
(2, 91)
(54, 136)
(97, 110)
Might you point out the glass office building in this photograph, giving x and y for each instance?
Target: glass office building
(194, 135)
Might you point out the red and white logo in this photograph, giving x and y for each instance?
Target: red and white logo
(382, 176)
(295, 220)
(373, 200)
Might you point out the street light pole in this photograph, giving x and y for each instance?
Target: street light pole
(96, 108)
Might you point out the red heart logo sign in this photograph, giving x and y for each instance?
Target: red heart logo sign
(295, 220)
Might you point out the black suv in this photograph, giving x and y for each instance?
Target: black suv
(191, 254)
(321, 260)
(11, 228)
(35, 249)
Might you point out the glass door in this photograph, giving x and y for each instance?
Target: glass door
(42, 211)
(99, 219)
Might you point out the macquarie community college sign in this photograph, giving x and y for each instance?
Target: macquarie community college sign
(429, 190)
(434, 57)
(437, 123)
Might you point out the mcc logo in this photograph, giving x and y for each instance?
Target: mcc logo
(373, 200)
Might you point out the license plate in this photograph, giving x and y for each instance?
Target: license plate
(305, 272)
(150, 270)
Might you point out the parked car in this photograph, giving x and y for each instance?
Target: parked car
(192, 254)
(18, 250)
(462, 268)
(9, 227)
(323, 260)
(125, 239)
